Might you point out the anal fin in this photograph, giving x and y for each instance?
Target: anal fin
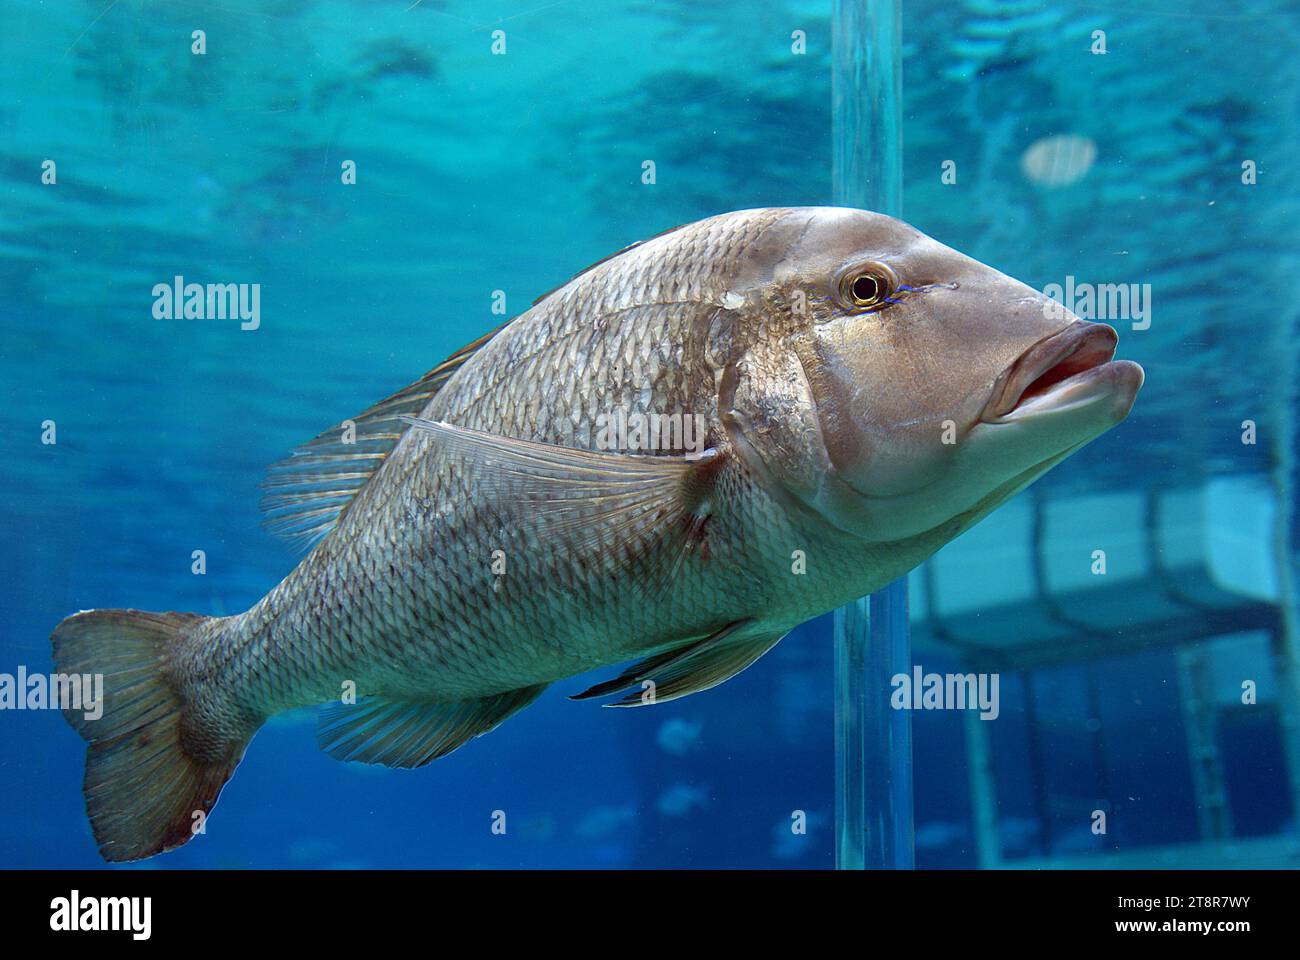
(399, 733)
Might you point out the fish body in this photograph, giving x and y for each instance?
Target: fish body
(841, 395)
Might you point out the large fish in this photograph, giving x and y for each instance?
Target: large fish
(865, 394)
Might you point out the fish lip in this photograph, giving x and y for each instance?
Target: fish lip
(1087, 347)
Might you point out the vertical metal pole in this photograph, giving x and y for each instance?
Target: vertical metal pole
(851, 643)
(873, 743)
(1285, 477)
(1037, 766)
(984, 798)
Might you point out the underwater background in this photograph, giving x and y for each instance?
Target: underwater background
(1165, 161)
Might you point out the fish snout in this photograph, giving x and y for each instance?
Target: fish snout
(1067, 369)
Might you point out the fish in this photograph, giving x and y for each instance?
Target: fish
(678, 737)
(681, 799)
(862, 393)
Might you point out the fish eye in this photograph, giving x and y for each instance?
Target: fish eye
(867, 287)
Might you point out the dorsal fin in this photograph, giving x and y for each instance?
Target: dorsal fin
(308, 490)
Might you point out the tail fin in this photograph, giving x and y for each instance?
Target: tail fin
(144, 791)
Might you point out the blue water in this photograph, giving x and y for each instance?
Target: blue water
(479, 172)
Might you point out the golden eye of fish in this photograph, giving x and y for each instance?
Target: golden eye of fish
(866, 288)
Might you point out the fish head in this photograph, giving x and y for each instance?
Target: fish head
(896, 386)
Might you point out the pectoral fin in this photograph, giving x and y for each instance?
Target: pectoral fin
(607, 508)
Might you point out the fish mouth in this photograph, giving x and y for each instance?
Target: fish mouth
(1068, 369)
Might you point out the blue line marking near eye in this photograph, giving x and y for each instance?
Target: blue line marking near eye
(901, 287)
